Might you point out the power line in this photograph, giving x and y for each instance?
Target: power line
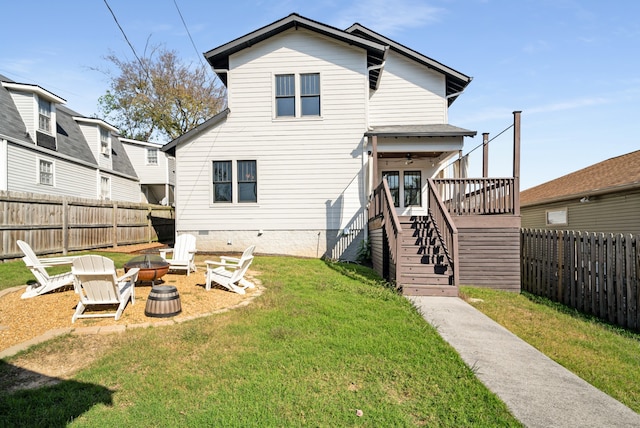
(198, 54)
(146, 72)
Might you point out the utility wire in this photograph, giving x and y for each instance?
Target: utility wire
(129, 43)
(198, 54)
(481, 144)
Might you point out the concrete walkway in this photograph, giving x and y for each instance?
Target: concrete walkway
(537, 390)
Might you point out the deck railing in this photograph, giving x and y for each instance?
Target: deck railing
(477, 196)
(446, 229)
(381, 206)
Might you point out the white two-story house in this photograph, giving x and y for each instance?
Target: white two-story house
(316, 118)
(288, 166)
(155, 168)
(47, 148)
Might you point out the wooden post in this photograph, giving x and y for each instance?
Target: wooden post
(115, 224)
(485, 154)
(516, 162)
(65, 226)
(374, 155)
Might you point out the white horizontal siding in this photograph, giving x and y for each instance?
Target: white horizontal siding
(27, 107)
(310, 171)
(69, 179)
(123, 189)
(409, 94)
(147, 173)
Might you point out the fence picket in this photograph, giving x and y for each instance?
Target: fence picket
(592, 272)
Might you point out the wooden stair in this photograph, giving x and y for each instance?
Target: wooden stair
(423, 269)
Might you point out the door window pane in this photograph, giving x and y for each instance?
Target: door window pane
(412, 188)
(393, 179)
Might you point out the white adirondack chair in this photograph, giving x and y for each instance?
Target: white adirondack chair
(38, 267)
(99, 285)
(183, 254)
(229, 272)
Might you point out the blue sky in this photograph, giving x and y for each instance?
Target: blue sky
(572, 67)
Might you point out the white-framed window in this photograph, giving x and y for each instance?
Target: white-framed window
(105, 188)
(45, 172)
(105, 140)
(44, 115)
(234, 181)
(152, 156)
(297, 95)
(557, 217)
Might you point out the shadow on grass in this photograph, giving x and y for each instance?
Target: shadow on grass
(29, 398)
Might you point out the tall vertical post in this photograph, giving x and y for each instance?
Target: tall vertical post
(485, 155)
(374, 156)
(516, 162)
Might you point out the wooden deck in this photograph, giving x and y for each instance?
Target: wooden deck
(470, 237)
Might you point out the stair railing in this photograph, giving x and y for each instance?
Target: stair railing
(381, 206)
(445, 228)
(477, 196)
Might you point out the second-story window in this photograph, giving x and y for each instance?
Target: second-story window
(44, 115)
(104, 142)
(152, 156)
(285, 95)
(310, 94)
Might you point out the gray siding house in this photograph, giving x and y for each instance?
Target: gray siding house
(47, 148)
(604, 197)
(155, 168)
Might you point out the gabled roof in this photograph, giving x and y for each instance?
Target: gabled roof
(615, 174)
(170, 146)
(219, 57)
(436, 130)
(456, 82)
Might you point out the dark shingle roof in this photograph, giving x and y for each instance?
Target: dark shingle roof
(11, 124)
(608, 176)
(435, 130)
(70, 139)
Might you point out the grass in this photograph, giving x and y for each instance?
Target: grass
(323, 341)
(606, 356)
(15, 273)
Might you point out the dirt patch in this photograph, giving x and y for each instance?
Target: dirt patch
(22, 320)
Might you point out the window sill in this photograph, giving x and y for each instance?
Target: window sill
(298, 119)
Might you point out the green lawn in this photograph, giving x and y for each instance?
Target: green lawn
(322, 342)
(606, 356)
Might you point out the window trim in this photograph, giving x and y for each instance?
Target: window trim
(49, 117)
(105, 144)
(297, 76)
(39, 172)
(563, 211)
(235, 183)
(148, 159)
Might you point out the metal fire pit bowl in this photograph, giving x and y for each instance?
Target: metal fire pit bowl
(151, 267)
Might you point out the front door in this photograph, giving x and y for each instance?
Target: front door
(406, 191)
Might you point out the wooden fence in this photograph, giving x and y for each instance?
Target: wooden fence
(54, 224)
(594, 273)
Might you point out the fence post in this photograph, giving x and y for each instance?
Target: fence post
(65, 226)
(115, 224)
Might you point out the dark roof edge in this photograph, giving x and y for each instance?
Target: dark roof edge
(287, 22)
(408, 52)
(594, 192)
(197, 130)
(421, 134)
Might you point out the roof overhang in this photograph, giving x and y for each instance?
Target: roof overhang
(439, 130)
(35, 89)
(171, 145)
(99, 122)
(456, 82)
(218, 57)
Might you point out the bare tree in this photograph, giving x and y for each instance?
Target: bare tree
(158, 96)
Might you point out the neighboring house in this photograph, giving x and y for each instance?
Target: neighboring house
(316, 117)
(604, 197)
(155, 168)
(47, 148)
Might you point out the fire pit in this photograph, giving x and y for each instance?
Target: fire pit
(151, 267)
